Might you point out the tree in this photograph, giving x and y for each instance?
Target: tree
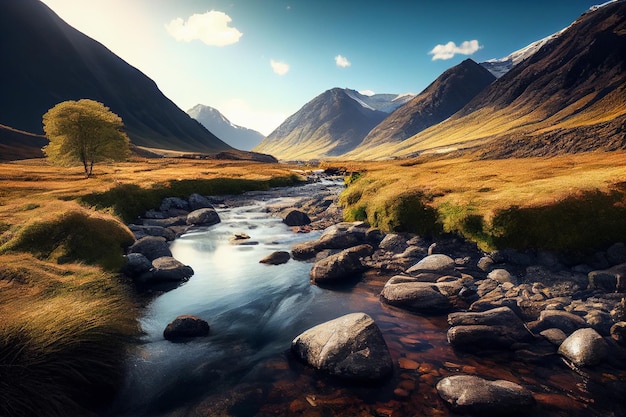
(84, 131)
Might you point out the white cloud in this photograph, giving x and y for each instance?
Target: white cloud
(450, 49)
(342, 61)
(280, 68)
(241, 113)
(211, 28)
(367, 92)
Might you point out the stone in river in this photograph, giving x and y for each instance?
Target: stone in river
(350, 347)
(420, 297)
(472, 394)
(276, 258)
(296, 218)
(584, 347)
(203, 217)
(185, 327)
(152, 247)
(339, 267)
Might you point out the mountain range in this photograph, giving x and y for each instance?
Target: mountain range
(46, 61)
(236, 136)
(563, 93)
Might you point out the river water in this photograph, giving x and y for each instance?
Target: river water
(244, 367)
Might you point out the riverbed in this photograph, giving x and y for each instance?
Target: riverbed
(245, 368)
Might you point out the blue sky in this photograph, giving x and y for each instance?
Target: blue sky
(259, 61)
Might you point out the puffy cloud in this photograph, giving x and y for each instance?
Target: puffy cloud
(280, 68)
(450, 49)
(367, 92)
(342, 61)
(211, 28)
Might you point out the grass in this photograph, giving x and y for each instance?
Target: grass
(565, 203)
(66, 319)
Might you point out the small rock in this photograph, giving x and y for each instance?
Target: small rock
(485, 264)
(471, 394)
(136, 264)
(618, 332)
(549, 319)
(203, 217)
(554, 336)
(584, 347)
(276, 258)
(420, 297)
(152, 247)
(167, 268)
(185, 327)
(502, 276)
(296, 218)
(436, 264)
(393, 243)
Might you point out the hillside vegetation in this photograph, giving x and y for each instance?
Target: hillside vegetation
(570, 203)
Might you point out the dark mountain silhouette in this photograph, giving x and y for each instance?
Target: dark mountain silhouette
(441, 99)
(46, 61)
(331, 124)
(236, 136)
(16, 144)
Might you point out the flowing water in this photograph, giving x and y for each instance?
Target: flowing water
(244, 367)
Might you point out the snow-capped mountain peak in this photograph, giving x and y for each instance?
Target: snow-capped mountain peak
(382, 102)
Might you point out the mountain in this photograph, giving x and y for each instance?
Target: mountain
(16, 144)
(441, 99)
(382, 102)
(46, 61)
(331, 124)
(236, 136)
(567, 97)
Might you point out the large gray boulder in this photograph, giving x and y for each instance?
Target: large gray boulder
(584, 347)
(421, 297)
(136, 265)
(185, 327)
(197, 201)
(472, 394)
(203, 217)
(152, 247)
(350, 347)
(609, 280)
(498, 328)
(341, 266)
(276, 258)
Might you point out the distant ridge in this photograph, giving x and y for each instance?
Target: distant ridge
(46, 61)
(236, 136)
(16, 144)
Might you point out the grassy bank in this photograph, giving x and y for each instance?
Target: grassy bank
(572, 203)
(66, 318)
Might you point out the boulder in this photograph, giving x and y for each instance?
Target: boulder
(305, 250)
(167, 221)
(350, 347)
(618, 332)
(203, 217)
(169, 269)
(197, 201)
(502, 276)
(336, 268)
(393, 243)
(276, 258)
(609, 280)
(186, 327)
(296, 218)
(434, 264)
(499, 328)
(340, 237)
(152, 247)
(472, 394)
(421, 297)
(142, 231)
(584, 347)
(173, 204)
(136, 265)
(557, 319)
(554, 336)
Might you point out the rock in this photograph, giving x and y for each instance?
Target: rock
(174, 205)
(609, 280)
(393, 243)
(339, 237)
(296, 218)
(485, 264)
(305, 250)
(336, 268)
(601, 321)
(499, 328)
(616, 254)
(203, 217)
(502, 276)
(142, 231)
(584, 347)
(197, 201)
(618, 332)
(152, 247)
(136, 265)
(186, 327)
(167, 221)
(471, 394)
(435, 264)
(548, 319)
(169, 269)
(350, 347)
(420, 297)
(276, 258)
(554, 336)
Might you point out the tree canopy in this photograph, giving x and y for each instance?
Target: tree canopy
(84, 131)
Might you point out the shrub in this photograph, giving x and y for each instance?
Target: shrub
(75, 236)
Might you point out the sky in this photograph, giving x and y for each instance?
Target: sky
(260, 61)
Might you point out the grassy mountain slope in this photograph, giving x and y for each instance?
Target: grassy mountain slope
(55, 62)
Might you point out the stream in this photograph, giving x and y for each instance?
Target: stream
(244, 367)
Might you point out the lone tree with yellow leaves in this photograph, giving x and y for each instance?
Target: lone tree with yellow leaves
(84, 131)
